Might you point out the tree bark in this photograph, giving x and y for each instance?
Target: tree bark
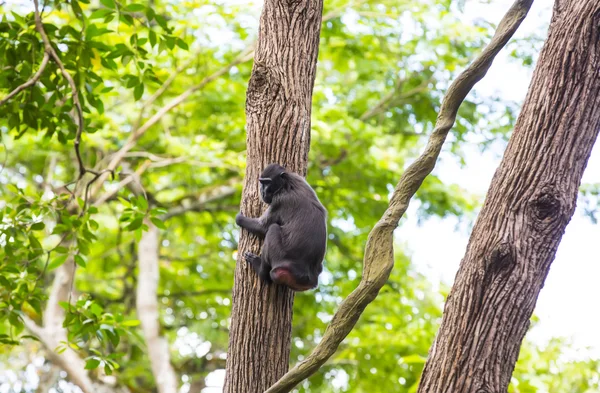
(278, 108)
(165, 378)
(529, 204)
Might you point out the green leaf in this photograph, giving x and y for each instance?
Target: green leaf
(158, 211)
(92, 363)
(100, 13)
(93, 225)
(38, 226)
(80, 260)
(76, 8)
(182, 44)
(61, 250)
(152, 38)
(34, 243)
(131, 322)
(134, 8)
(142, 203)
(96, 309)
(158, 222)
(162, 22)
(108, 3)
(135, 224)
(58, 261)
(30, 337)
(138, 91)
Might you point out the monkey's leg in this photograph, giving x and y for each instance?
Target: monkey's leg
(285, 271)
(259, 266)
(293, 274)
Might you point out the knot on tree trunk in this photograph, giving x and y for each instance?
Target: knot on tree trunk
(502, 258)
(263, 88)
(547, 207)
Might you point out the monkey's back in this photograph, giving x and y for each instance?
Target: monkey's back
(304, 224)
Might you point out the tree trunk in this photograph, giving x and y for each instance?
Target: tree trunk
(278, 107)
(530, 201)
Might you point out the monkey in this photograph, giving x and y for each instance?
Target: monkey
(294, 228)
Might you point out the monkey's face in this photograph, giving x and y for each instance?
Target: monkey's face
(271, 182)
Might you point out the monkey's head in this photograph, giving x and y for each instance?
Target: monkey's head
(272, 180)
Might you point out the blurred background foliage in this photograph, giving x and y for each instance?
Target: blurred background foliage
(162, 89)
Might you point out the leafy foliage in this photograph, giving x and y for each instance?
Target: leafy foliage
(161, 85)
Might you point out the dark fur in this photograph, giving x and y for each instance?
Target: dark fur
(294, 228)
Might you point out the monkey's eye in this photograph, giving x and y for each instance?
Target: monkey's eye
(264, 180)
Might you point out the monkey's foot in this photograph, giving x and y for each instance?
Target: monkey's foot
(252, 259)
(260, 269)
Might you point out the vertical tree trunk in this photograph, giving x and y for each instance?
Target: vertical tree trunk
(278, 107)
(530, 201)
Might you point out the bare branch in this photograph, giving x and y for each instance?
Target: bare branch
(162, 89)
(53, 333)
(54, 314)
(383, 101)
(211, 195)
(379, 251)
(30, 82)
(198, 293)
(137, 133)
(118, 156)
(50, 50)
(123, 183)
(390, 99)
(147, 310)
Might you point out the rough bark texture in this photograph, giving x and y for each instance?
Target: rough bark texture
(379, 250)
(528, 206)
(278, 107)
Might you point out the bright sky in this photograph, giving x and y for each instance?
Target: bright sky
(566, 304)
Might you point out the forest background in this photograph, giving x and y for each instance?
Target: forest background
(178, 71)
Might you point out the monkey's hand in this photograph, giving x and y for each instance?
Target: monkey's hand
(239, 219)
(253, 225)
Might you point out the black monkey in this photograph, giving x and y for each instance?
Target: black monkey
(294, 228)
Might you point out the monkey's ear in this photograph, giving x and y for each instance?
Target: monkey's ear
(264, 180)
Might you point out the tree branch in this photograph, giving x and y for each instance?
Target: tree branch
(147, 310)
(379, 251)
(52, 333)
(162, 89)
(211, 195)
(123, 183)
(30, 82)
(52, 53)
(388, 100)
(137, 133)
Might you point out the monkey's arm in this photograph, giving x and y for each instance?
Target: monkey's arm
(257, 226)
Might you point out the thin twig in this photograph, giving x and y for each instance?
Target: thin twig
(391, 99)
(162, 89)
(130, 177)
(30, 82)
(210, 195)
(244, 56)
(379, 250)
(86, 194)
(5, 156)
(79, 109)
